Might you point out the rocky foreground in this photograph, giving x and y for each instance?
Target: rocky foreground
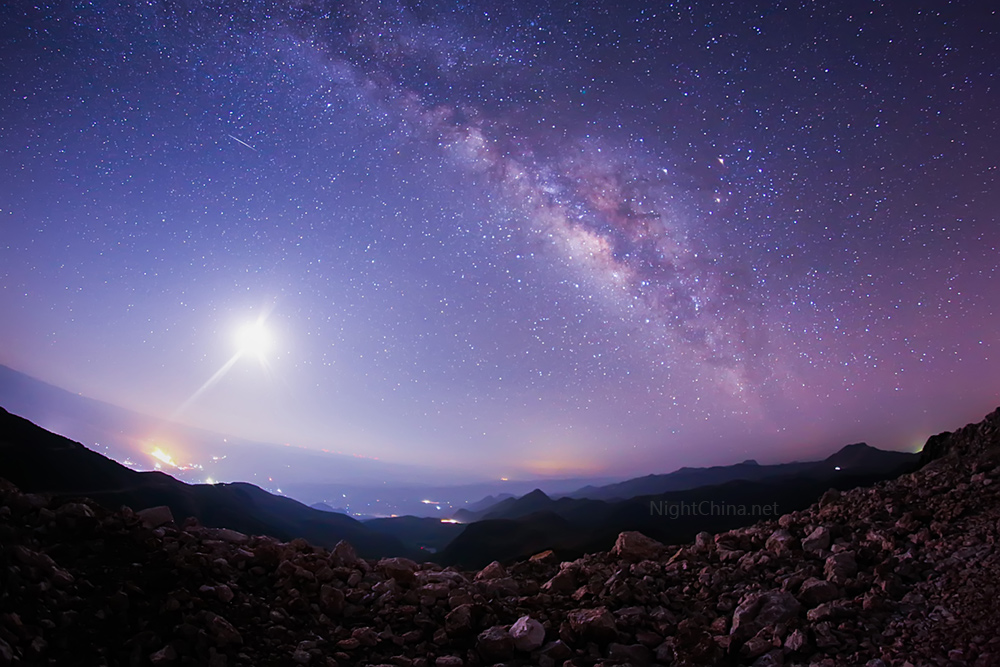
(904, 573)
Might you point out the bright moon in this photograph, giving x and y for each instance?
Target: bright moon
(253, 339)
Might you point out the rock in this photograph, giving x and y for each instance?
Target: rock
(228, 536)
(365, 636)
(597, 624)
(75, 511)
(773, 658)
(704, 541)
(756, 647)
(825, 611)
(403, 570)
(564, 581)
(164, 656)
(797, 641)
(154, 517)
(818, 540)
(492, 571)
(556, 650)
(781, 542)
(527, 633)
(223, 632)
(829, 498)
(459, 620)
(634, 546)
(224, 593)
(448, 661)
(343, 554)
(633, 654)
(762, 609)
(496, 588)
(840, 567)
(494, 644)
(546, 556)
(817, 591)
(6, 653)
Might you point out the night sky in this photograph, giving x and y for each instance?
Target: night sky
(509, 238)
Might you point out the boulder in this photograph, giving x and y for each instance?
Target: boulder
(527, 633)
(840, 567)
(597, 624)
(818, 540)
(494, 644)
(154, 517)
(781, 542)
(402, 570)
(634, 546)
(817, 591)
(763, 609)
(492, 571)
(459, 620)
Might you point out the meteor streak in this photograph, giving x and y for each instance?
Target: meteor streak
(242, 142)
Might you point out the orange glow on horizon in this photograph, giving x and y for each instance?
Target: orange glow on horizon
(556, 467)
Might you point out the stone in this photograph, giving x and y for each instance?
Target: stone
(704, 541)
(762, 609)
(154, 517)
(223, 632)
(164, 656)
(597, 624)
(781, 542)
(564, 581)
(773, 658)
(459, 620)
(495, 644)
(402, 570)
(343, 554)
(797, 641)
(633, 654)
(229, 536)
(818, 540)
(634, 546)
(527, 633)
(817, 591)
(840, 567)
(75, 511)
(492, 571)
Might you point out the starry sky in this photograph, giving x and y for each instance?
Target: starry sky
(512, 238)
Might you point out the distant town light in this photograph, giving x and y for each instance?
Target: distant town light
(158, 453)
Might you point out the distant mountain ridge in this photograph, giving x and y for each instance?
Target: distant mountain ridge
(38, 461)
(518, 527)
(859, 458)
(515, 527)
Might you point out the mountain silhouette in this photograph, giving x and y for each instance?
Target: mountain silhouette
(38, 461)
(860, 459)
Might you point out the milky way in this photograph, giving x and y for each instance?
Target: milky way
(518, 240)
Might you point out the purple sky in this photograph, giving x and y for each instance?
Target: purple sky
(539, 239)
